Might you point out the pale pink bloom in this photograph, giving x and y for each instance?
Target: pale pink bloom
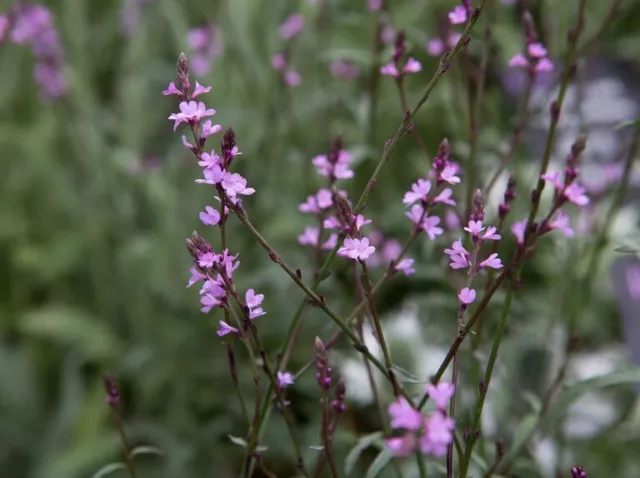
(361, 221)
(187, 144)
(340, 170)
(226, 329)
(458, 15)
(210, 216)
(416, 214)
(576, 194)
(172, 90)
(284, 378)
(492, 261)
(279, 62)
(208, 302)
(332, 223)
(435, 47)
(451, 219)
(391, 250)
(419, 192)
(200, 90)
(474, 228)
(562, 222)
(375, 5)
(330, 243)
(411, 66)
(448, 175)
(441, 393)
(344, 69)
(208, 128)
(490, 234)
(207, 260)
(310, 238)
(196, 276)
(536, 50)
(389, 70)
(457, 248)
(544, 65)
(356, 249)
(292, 26)
(406, 266)
(633, 282)
(318, 202)
(191, 111)
(292, 78)
(403, 415)
(235, 184)
(403, 445)
(445, 198)
(430, 226)
(553, 178)
(438, 434)
(209, 160)
(519, 60)
(467, 296)
(212, 175)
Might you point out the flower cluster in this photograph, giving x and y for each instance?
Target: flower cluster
(578, 472)
(461, 13)
(289, 29)
(388, 251)
(33, 25)
(215, 270)
(399, 67)
(461, 258)
(535, 60)
(324, 378)
(430, 434)
(206, 44)
(423, 194)
(565, 190)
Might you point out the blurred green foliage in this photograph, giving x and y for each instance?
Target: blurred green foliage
(93, 264)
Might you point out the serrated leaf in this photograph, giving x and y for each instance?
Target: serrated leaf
(147, 450)
(354, 454)
(108, 469)
(238, 441)
(381, 461)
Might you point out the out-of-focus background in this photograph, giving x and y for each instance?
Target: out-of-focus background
(97, 196)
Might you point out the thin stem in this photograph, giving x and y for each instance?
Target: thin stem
(326, 435)
(422, 469)
(403, 105)
(233, 369)
(368, 287)
(614, 9)
(126, 448)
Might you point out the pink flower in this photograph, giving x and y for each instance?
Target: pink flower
(284, 379)
(356, 249)
(212, 175)
(474, 228)
(412, 66)
(200, 90)
(451, 219)
(438, 434)
(403, 445)
(360, 221)
(419, 192)
(403, 415)
(208, 302)
(292, 78)
(210, 216)
(519, 60)
(172, 90)
(406, 266)
(235, 184)
(492, 261)
(225, 329)
(576, 194)
(467, 296)
(390, 69)
(253, 302)
(445, 198)
(553, 178)
(292, 26)
(491, 235)
(441, 393)
(435, 47)
(458, 15)
(391, 250)
(430, 224)
(416, 214)
(344, 69)
(208, 129)
(536, 50)
(191, 112)
(562, 222)
(310, 238)
(340, 170)
(315, 204)
(196, 276)
(207, 260)
(375, 5)
(448, 175)
(279, 62)
(544, 65)
(518, 229)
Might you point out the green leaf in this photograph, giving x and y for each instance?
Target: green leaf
(238, 441)
(363, 443)
(73, 328)
(147, 450)
(570, 394)
(381, 461)
(108, 469)
(523, 432)
(626, 124)
(626, 249)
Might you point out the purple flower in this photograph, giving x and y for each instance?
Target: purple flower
(435, 47)
(403, 415)
(430, 226)
(206, 43)
(253, 302)
(458, 255)
(191, 111)
(474, 228)
(344, 69)
(292, 78)
(491, 235)
(207, 260)
(562, 222)
(441, 394)
(411, 66)
(225, 329)
(448, 175)
(467, 296)
(235, 184)
(310, 238)
(458, 15)
(576, 194)
(292, 26)
(210, 216)
(375, 5)
(284, 379)
(419, 192)
(339, 170)
(196, 276)
(536, 50)
(356, 249)
(200, 90)
(172, 90)
(445, 198)
(415, 214)
(279, 62)
(323, 199)
(406, 266)
(208, 128)
(518, 229)
(438, 434)
(492, 261)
